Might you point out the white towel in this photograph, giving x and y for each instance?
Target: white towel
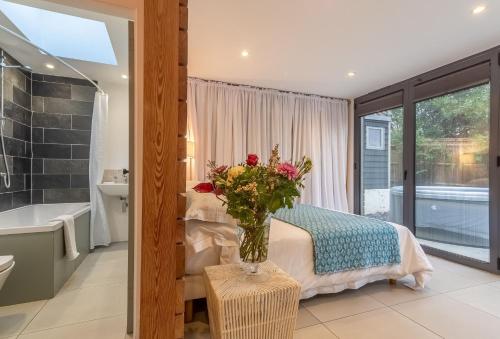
(69, 235)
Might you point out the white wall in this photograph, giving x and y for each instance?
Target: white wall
(117, 147)
(118, 121)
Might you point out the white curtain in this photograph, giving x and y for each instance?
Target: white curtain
(228, 122)
(99, 228)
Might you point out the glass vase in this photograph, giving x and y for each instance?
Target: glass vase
(254, 245)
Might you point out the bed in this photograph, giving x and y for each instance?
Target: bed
(211, 240)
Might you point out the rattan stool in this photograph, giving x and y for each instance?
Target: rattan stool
(242, 309)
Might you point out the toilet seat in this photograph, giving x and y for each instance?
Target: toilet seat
(6, 262)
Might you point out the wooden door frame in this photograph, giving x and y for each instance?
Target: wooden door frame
(160, 119)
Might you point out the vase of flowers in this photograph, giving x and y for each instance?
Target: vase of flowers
(252, 191)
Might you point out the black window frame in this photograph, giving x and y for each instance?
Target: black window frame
(469, 72)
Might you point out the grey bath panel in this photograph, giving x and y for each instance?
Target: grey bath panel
(32, 277)
(41, 267)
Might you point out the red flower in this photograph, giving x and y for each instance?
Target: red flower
(288, 170)
(204, 187)
(252, 160)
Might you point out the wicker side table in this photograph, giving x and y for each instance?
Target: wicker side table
(240, 309)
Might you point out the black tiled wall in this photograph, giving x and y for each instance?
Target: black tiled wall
(62, 117)
(17, 132)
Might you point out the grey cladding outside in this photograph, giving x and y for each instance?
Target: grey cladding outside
(375, 162)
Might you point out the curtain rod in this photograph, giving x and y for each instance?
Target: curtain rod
(5, 29)
(269, 89)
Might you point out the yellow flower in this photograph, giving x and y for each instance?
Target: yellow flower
(233, 172)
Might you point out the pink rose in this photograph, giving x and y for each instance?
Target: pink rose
(288, 170)
(220, 169)
(252, 160)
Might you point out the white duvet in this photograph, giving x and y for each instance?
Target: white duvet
(291, 248)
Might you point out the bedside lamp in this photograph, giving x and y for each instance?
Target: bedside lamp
(190, 149)
(190, 156)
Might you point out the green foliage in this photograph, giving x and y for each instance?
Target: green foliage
(463, 114)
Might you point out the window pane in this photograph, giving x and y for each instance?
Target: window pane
(451, 172)
(382, 165)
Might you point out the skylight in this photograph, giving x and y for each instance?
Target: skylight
(62, 35)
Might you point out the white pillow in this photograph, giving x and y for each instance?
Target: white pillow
(206, 207)
(209, 244)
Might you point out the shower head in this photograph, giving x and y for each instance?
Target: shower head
(3, 64)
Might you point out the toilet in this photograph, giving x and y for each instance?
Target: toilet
(6, 266)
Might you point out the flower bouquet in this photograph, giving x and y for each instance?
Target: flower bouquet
(252, 191)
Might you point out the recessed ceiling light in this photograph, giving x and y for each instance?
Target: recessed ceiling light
(49, 66)
(124, 76)
(351, 74)
(479, 9)
(244, 53)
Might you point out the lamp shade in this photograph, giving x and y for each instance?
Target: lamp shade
(190, 149)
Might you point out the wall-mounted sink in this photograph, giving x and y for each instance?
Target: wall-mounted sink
(114, 189)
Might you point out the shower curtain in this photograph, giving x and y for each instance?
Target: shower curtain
(99, 227)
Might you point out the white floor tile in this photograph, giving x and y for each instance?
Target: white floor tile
(108, 328)
(335, 306)
(378, 324)
(81, 305)
(305, 318)
(478, 276)
(314, 332)
(395, 294)
(13, 319)
(98, 273)
(447, 281)
(450, 318)
(483, 297)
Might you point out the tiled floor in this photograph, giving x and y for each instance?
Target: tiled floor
(92, 303)
(460, 302)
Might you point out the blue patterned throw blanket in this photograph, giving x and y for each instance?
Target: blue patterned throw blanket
(342, 241)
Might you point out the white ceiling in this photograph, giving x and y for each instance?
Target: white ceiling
(310, 45)
(27, 55)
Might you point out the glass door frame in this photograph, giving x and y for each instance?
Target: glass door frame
(469, 72)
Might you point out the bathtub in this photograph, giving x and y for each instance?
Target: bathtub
(36, 218)
(454, 215)
(37, 244)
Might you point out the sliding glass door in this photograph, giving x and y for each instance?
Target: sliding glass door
(382, 165)
(452, 172)
(427, 156)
